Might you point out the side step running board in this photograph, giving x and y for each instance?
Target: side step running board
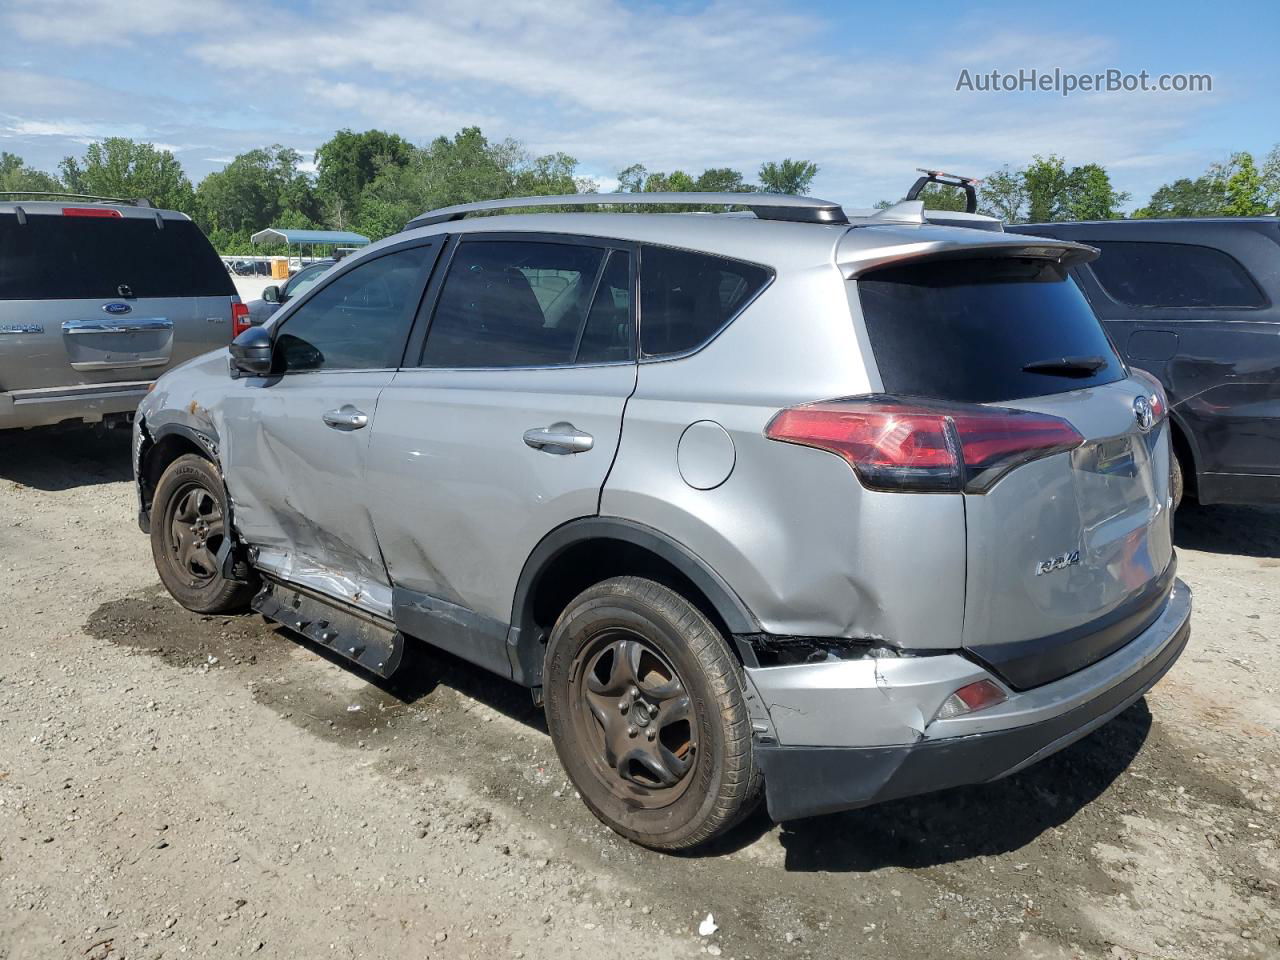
(373, 643)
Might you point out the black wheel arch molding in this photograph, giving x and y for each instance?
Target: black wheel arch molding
(526, 635)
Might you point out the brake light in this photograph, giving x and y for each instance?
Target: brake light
(90, 212)
(239, 318)
(973, 696)
(896, 444)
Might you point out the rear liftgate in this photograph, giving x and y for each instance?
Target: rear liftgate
(361, 637)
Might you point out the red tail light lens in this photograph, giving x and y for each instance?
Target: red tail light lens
(91, 212)
(921, 447)
(239, 318)
(974, 696)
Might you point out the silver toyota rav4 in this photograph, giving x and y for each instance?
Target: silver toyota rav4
(97, 298)
(834, 509)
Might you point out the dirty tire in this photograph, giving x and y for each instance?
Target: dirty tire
(1177, 485)
(188, 522)
(629, 627)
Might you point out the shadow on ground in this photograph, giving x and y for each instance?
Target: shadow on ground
(65, 458)
(962, 823)
(1243, 531)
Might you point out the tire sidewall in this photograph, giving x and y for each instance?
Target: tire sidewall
(218, 593)
(665, 826)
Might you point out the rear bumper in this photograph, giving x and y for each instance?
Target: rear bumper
(22, 409)
(805, 780)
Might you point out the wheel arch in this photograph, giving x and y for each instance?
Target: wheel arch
(586, 551)
(1183, 443)
(162, 447)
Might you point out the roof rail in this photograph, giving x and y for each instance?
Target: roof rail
(53, 195)
(766, 206)
(968, 184)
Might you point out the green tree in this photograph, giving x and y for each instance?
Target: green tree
(1243, 185)
(119, 167)
(631, 180)
(1090, 196)
(461, 169)
(1045, 179)
(256, 190)
(348, 162)
(1202, 197)
(1271, 179)
(1003, 194)
(788, 176)
(17, 177)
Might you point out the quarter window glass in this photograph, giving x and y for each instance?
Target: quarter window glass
(1173, 275)
(687, 298)
(513, 303)
(360, 320)
(607, 335)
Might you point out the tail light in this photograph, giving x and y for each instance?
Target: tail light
(895, 444)
(973, 696)
(239, 318)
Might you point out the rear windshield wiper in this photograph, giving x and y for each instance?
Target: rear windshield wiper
(1067, 366)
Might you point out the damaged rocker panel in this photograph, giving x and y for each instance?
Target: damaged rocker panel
(367, 640)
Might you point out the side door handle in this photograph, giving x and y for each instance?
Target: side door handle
(559, 438)
(346, 417)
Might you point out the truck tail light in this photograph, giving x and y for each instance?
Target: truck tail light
(920, 446)
(239, 318)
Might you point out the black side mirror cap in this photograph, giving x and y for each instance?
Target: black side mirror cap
(271, 294)
(251, 353)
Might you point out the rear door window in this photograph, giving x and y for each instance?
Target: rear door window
(531, 303)
(1173, 275)
(687, 298)
(965, 330)
(53, 257)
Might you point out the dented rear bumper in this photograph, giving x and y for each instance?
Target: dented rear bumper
(837, 747)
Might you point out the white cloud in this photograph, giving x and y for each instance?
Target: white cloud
(717, 85)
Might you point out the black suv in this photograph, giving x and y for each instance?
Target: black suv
(1197, 304)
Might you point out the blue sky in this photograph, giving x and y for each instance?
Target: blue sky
(865, 90)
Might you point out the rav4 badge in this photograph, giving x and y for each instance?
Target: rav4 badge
(1057, 563)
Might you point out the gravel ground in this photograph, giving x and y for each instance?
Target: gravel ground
(172, 785)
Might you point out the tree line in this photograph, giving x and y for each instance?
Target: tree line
(373, 182)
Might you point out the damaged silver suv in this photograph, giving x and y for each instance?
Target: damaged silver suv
(828, 508)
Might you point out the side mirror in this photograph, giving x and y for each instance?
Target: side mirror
(271, 294)
(251, 353)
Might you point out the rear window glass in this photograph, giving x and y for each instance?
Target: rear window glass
(687, 298)
(54, 257)
(965, 330)
(1173, 275)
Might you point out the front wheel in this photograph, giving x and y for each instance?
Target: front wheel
(644, 701)
(188, 527)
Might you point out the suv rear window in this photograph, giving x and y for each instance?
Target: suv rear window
(1173, 275)
(687, 298)
(963, 330)
(54, 257)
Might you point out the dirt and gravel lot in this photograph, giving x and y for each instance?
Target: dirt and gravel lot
(174, 785)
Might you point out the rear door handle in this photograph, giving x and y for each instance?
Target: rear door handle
(559, 438)
(346, 418)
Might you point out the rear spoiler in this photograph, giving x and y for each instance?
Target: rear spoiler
(854, 260)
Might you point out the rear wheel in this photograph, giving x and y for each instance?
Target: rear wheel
(1176, 482)
(188, 527)
(645, 706)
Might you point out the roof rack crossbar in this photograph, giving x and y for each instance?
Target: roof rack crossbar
(766, 206)
(968, 184)
(54, 195)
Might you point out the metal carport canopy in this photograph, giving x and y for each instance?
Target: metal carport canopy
(279, 235)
